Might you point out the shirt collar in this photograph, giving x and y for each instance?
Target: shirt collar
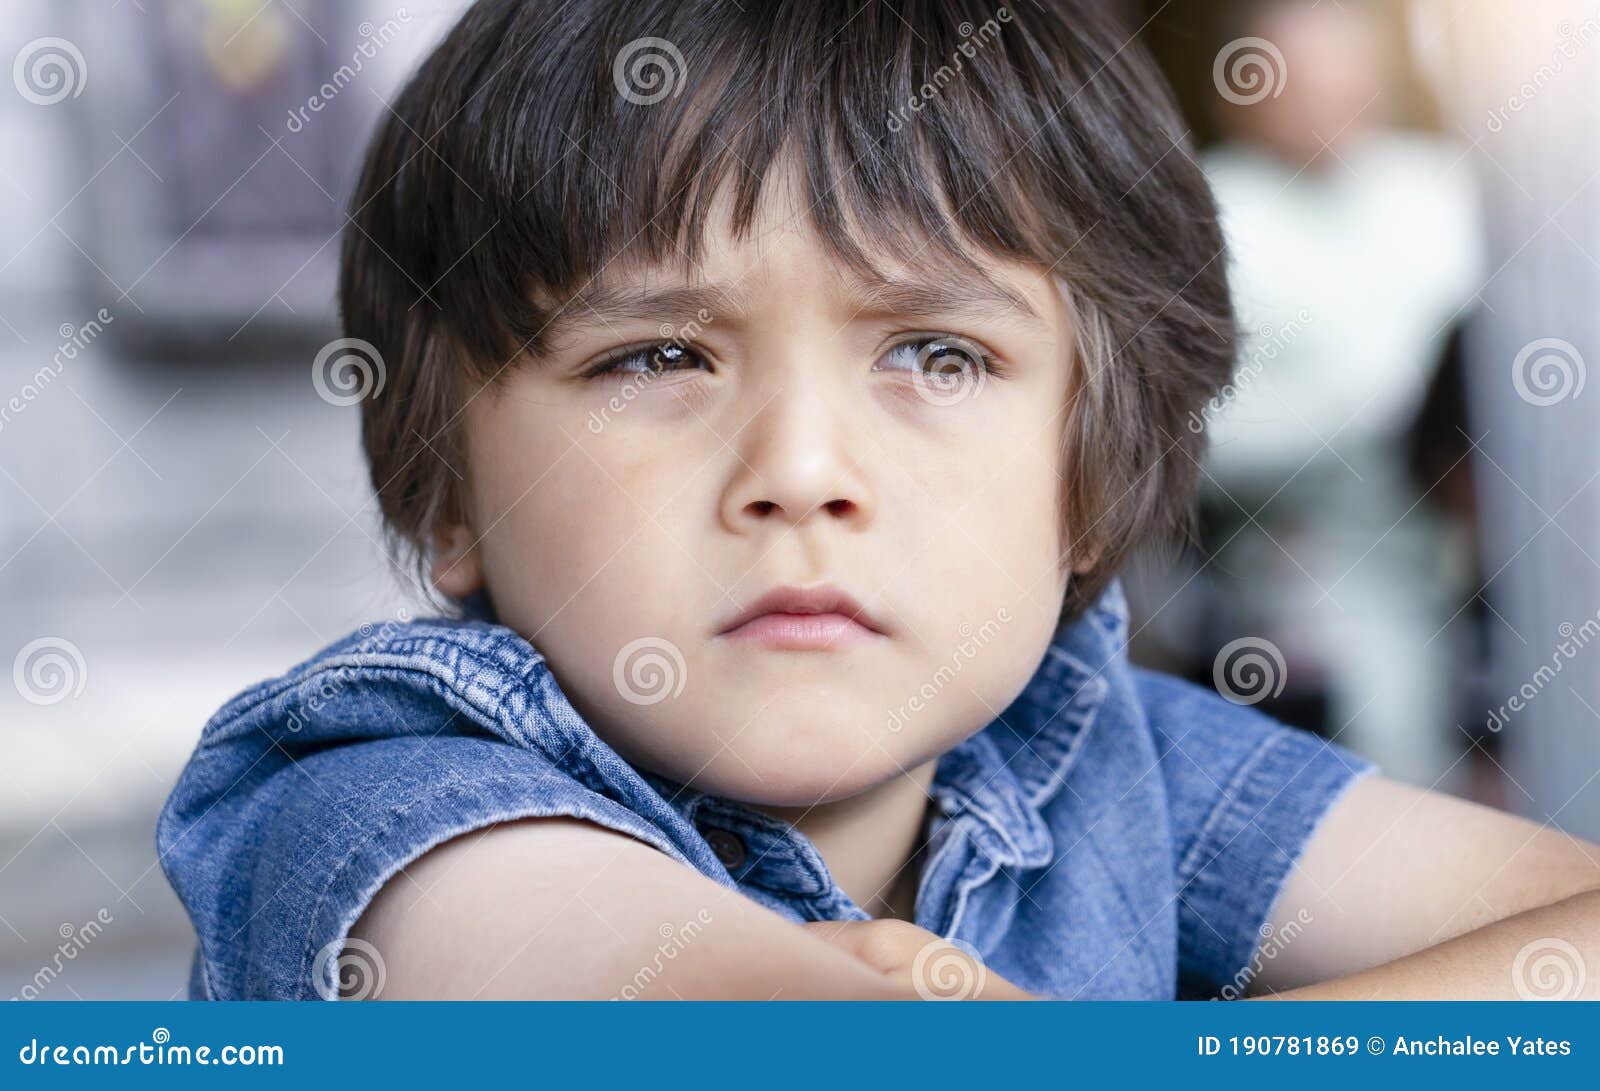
(1004, 775)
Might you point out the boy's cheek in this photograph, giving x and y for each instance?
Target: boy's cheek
(559, 562)
(998, 517)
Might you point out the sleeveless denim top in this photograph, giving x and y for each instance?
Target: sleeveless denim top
(1114, 833)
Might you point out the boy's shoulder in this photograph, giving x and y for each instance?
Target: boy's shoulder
(463, 662)
(308, 791)
(408, 686)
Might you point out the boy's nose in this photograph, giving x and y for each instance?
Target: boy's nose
(796, 460)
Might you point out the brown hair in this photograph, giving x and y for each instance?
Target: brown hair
(540, 142)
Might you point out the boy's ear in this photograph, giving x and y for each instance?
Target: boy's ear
(457, 569)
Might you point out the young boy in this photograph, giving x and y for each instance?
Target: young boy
(773, 392)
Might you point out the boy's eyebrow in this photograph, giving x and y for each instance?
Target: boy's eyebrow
(602, 303)
(685, 304)
(945, 295)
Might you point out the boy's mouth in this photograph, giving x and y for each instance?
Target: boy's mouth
(803, 619)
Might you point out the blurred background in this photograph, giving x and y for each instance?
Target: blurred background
(1396, 548)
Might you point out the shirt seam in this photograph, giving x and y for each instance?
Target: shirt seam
(1331, 770)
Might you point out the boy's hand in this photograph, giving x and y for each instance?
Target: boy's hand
(936, 968)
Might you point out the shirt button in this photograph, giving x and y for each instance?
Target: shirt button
(729, 847)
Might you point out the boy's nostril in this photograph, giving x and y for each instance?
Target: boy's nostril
(763, 508)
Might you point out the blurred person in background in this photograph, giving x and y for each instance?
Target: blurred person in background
(1356, 251)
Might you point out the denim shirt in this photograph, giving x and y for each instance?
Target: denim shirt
(1113, 833)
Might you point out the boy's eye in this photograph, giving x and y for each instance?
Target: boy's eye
(657, 359)
(945, 358)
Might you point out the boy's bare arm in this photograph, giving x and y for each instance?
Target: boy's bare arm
(1536, 954)
(1406, 893)
(558, 908)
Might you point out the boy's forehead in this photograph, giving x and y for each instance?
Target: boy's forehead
(734, 272)
(779, 247)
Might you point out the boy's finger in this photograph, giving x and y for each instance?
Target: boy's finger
(841, 934)
(857, 939)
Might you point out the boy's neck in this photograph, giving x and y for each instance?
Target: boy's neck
(870, 841)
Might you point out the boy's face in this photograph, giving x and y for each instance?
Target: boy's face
(780, 438)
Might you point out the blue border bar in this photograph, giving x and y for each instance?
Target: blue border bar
(801, 1045)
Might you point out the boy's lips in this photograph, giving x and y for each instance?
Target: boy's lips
(803, 618)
